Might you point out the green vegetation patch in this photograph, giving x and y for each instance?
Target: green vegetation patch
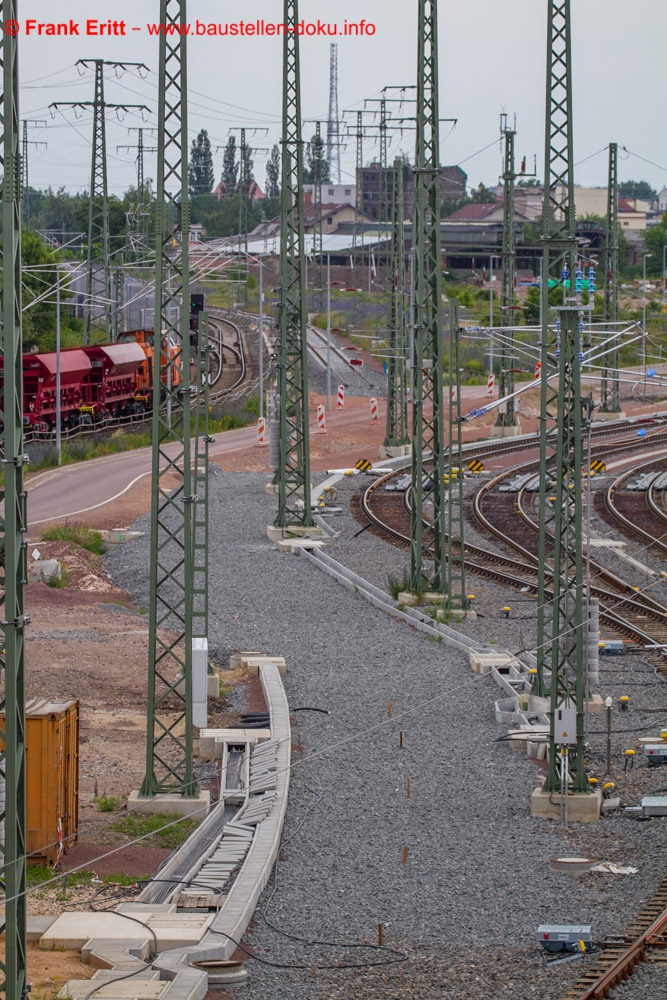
(164, 829)
(85, 537)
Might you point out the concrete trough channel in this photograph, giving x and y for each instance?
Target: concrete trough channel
(200, 902)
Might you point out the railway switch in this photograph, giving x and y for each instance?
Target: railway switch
(656, 754)
(565, 937)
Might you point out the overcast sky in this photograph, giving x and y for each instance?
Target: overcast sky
(492, 59)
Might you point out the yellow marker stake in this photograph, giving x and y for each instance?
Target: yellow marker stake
(405, 855)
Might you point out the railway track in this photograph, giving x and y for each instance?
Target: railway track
(644, 940)
(630, 614)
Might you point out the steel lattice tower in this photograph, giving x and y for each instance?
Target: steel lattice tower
(506, 388)
(243, 209)
(13, 526)
(561, 615)
(98, 212)
(293, 473)
(169, 766)
(141, 219)
(98, 204)
(333, 123)
(610, 399)
(455, 578)
(397, 435)
(25, 180)
(428, 544)
(318, 239)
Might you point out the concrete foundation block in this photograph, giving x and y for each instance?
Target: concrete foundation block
(43, 571)
(294, 531)
(600, 415)
(116, 536)
(504, 432)
(409, 599)
(394, 450)
(460, 614)
(212, 685)
(595, 704)
(434, 597)
(197, 807)
(582, 807)
(271, 488)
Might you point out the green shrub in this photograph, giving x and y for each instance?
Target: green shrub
(85, 537)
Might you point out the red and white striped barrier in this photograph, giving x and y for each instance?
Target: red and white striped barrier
(341, 397)
(261, 428)
(374, 410)
(453, 393)
(538, 369)
(490, 382)
(321, 421)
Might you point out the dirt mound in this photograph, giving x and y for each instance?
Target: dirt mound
(84, 570)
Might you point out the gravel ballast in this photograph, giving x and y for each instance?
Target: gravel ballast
(476, 884)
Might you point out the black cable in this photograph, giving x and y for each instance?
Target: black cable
(324, 711)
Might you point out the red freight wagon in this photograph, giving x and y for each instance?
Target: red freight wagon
(111, 386)
(39, 385)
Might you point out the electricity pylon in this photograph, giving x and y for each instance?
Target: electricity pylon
(293, 473)
(169, 763)
(561, 617)
(200, 476)
(141, 219)
(25, 179)
(318, 236)
(13, 546)
(397, 435)
(427, 556)
(506, 381)
(455, 577)
(98, 198)
(610, 397)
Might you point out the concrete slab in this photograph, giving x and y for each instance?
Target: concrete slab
(481, 663)
(197, 806)
(134, 989)
(116, 536)
(253, 663)
(72, 930)
(409, 599)
(36, 926)
(600, 415)
(595, 704)
(271, 488)
(583, 807)
(213, 685)
(236, 660)
(211, 741)
(294, 545)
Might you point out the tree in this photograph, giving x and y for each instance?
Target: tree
(245, 182)
(483, 195)
(200, 173)
(317, 170)
(637, 189)
(654, 242)
(230, 168)
(273, 167)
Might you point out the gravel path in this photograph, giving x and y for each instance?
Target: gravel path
(465, 906)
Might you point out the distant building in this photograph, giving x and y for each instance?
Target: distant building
(662, 200)
(256, 193)
(372, 189)
(334, 194)
(483, 213)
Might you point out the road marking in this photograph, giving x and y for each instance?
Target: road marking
(84, 510)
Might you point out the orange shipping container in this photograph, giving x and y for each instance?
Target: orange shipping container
(52, 778)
